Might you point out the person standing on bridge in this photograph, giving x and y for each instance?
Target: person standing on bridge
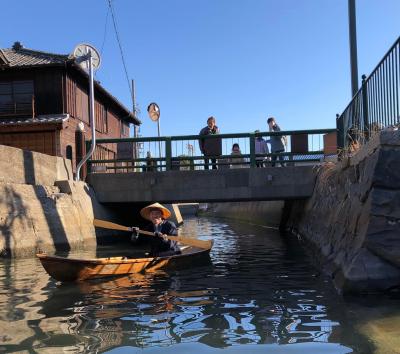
(210, 148)
(236, 160)
(161, 246)
(261, 147)
(276, 141)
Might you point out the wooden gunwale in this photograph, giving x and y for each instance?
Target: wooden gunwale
(72, 269)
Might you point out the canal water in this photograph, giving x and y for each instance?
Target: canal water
(258, 293)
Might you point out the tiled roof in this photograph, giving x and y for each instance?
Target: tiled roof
(18, 56)
(48, 119)
(3, 58)
(27, 57)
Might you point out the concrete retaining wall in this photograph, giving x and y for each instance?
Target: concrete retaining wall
(36, 215)
(23, 166)
(205, 186)
(353, 217)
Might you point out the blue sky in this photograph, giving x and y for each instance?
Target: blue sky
(240, 61)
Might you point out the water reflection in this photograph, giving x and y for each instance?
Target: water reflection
(257, 293)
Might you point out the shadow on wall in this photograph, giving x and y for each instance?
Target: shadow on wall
(54, 223)
(15, 211)
(67, 169)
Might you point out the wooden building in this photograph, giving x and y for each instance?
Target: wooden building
(44, 106)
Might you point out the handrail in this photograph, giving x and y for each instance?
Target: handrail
(215, 136)
(170, 158)
(375, 106)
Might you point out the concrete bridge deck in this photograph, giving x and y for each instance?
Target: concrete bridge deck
(224, 185)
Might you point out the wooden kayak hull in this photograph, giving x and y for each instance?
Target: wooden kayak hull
(76, 269)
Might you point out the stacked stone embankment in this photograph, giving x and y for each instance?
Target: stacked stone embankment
(353, 217)
(41, 207)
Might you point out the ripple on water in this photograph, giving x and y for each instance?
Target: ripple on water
(257, 294)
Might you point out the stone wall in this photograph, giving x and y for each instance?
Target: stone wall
(40, 213)
(353, 217)
(266, 213)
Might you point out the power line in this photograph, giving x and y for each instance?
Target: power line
(120, 46)
(105, 31)
(104, 38)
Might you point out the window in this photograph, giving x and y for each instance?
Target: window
(68, 152)
(16, 97)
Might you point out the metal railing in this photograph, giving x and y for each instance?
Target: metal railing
(376, 104)
(183, 152)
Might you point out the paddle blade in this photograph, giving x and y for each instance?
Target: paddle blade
(192, 242)
(184, 240)
(110, 225)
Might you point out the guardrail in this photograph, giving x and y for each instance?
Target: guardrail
(183, 152)
(376, 104)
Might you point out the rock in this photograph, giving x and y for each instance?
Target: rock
(353, 216)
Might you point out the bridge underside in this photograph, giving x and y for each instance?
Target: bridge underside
(242, 184)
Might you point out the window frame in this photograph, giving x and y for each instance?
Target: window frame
(21, 99)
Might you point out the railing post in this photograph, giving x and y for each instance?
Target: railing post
(252, 150)
(340, 134)
(365, 106)
(168, 153)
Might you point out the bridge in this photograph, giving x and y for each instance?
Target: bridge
(172, 169)
(205, 186)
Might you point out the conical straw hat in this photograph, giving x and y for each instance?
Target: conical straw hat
(145, 212)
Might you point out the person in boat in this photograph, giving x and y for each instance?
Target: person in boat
(161, 246)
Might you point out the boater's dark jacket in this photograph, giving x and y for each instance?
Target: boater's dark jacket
(162, 247)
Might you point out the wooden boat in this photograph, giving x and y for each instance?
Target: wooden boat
(76, 269)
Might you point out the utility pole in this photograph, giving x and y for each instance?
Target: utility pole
(135, 127)
(353, 46)
(134, 110)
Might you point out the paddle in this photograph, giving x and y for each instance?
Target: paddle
(188, 241)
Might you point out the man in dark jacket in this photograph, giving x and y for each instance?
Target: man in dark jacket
(161, 246)
(210, 147)
(276, 141)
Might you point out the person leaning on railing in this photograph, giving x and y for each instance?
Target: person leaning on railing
(151, 164)
(207, 146)
(236, 160)
(261, 147)
(276, 141)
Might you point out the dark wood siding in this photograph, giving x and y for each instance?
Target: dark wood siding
(114, 125)
(69, 134)
(82, 104)
(100, 114)
(57, 90)
(70, 97)
(47, 84)
(44, 142)
(48, 91)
